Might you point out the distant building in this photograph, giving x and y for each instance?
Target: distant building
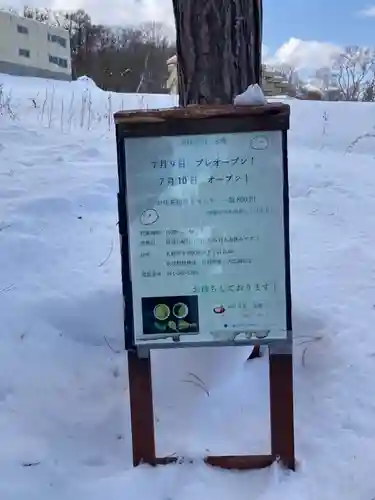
(32, 48)
(314, 91)
(274, 82)
(172, 75)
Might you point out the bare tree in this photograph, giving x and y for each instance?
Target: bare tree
(11, 10)
(290, 74)
(143, 75)
(123, 59)
(368, 93)
(42, 15)
(324, 78)
(155, 32)
(28, 12)
(353, 68)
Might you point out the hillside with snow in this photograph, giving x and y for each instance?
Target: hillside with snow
(64, 414)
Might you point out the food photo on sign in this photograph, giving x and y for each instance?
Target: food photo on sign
(164, 316)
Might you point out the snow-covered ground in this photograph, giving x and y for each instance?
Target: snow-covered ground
(64, 416)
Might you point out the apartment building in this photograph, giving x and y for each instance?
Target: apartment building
(273, 81)
(32, 48)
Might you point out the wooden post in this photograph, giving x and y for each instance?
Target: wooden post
(141, 409)
(281, 408)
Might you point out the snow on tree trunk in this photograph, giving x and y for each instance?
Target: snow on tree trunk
(218, 49)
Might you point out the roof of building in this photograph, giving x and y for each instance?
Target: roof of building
(172, 60)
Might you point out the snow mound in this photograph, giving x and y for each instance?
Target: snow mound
(64, 414)
(253, 96)
(68, 107)
(89, 82)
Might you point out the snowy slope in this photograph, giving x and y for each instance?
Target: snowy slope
(77, 105)
(64, 417)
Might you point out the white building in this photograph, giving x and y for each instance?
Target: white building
(172, 75)
(32, 48)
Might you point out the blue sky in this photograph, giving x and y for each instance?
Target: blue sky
(300, 33)
(335, 21)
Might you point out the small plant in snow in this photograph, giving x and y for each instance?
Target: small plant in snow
(197, 381)
(71, 111)
(325, 119)
(62, 116)
(51, 108)
(109, 112)
(352, 145)
(89, 109)
(325, 123)
(306, 341)
(45, 102)
(141, 102)
(83, 109)
(5, 104)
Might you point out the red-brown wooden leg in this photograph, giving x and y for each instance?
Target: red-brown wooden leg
(141, 409)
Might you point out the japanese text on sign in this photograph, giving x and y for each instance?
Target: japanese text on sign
(206, 237)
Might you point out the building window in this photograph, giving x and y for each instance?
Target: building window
(63, 63)
(57, 39)
(23, 52)
(59, 61)
(22, 29)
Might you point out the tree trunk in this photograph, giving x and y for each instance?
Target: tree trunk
(218, 48)
(219, 45)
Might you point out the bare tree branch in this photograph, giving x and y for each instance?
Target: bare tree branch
(141, 81)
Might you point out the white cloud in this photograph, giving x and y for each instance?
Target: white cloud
(113, 12)
(295, 52)
(302, 54)
(368, 12)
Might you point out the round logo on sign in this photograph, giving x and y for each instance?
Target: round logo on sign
(260, 142)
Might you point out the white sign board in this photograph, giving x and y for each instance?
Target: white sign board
(206, 238)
